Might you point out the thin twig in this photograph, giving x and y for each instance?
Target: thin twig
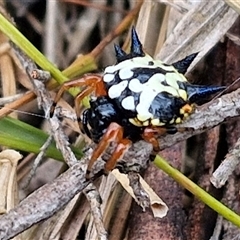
(9, 99)
(226, 168)
(142, 197)
(38, 78)
(95, 200)
(37, 161)
(218, 229)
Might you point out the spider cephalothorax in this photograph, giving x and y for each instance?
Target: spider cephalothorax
(102, 112)
(137, 98)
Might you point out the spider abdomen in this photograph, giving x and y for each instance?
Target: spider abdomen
(149, 93)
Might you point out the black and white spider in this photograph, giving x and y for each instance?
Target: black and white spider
(137, 98)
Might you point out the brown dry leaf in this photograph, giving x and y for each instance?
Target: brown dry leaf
(159, 208)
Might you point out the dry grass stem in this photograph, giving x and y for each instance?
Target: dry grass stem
(8, 192)
(37, 161)
(95, 201)
(198, 31)
(234, 5)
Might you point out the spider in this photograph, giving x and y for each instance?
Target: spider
(138, 98)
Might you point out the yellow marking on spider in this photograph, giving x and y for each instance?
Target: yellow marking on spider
(182, 111)
(145, 123)
(143, 118)
(171, 79)
(178, 120)
(155, 84)
(135, 122)
(156, 122)
(183, 94)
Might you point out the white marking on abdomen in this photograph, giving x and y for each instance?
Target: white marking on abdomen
(155, 83)
(110, 69)
(135, 85)
(128, 103)
(125, 73)
(145, 101)
(108, 77)
(116, 90)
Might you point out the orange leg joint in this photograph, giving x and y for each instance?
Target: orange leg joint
(114, 133)
(92, 84)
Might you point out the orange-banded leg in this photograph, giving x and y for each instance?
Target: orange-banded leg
(114, 133)
(92, 83)
(150, 135)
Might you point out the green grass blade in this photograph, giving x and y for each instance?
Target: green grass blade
(197, 191)
(12, 32)
(21, 136)
(81, 65)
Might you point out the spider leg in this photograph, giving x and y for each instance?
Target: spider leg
(121, 148)
(114, 133)
(77, 101)
(92, 82)
(149, 135)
